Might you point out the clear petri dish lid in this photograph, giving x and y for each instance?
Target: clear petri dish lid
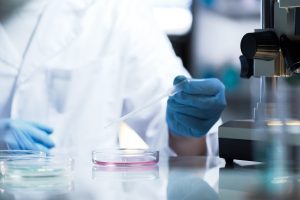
(125, 157)
(20, 154)
(49, 166)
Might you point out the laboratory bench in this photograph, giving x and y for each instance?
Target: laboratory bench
(173, 178)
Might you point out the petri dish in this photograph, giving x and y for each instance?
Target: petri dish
(36, 168)
(125, 157)
(6, 155)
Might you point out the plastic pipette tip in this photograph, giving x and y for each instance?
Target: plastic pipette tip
(170, 92)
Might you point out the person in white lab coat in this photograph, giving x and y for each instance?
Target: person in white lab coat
(69, 67)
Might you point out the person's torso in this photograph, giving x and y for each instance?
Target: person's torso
(71, 77)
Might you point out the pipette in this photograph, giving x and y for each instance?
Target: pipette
(170, 92)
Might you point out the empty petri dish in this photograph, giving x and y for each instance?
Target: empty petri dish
(20, 154)
(31, 168)
(125, 157)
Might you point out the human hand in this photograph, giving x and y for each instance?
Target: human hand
(22, 135)
(196, 109)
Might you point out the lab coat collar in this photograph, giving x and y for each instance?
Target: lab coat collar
(57, 30)
(8, 53)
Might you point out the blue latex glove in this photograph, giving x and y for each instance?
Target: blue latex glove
(22, 135)
(197, 108)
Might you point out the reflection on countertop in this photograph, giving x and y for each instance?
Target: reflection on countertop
(173, 178)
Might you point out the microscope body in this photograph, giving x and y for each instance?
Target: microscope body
(269, 53)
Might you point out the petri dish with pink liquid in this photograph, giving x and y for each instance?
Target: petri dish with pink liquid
(125, 157)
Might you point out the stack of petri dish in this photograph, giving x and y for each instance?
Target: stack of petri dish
(48, 166)
(23, 170)
(8, 156)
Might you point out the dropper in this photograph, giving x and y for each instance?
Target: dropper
(170, 92)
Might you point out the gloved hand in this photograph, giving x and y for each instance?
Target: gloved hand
(196, 109)
(22, 135)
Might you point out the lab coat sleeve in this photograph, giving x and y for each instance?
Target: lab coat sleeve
(151, 65)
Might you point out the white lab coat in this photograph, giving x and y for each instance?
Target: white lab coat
(90, 62)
